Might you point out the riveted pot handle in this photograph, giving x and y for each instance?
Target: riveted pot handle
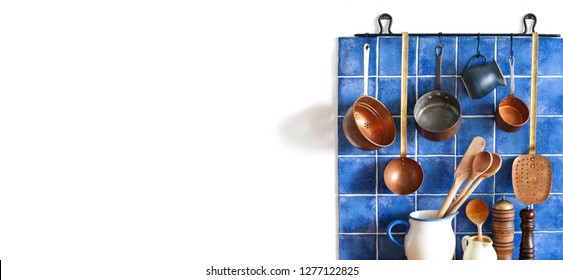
(474, 57)
(390, 227)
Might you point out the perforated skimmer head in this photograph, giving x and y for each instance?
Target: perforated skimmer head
(531, 178)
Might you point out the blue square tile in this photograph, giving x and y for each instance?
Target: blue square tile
(521, 90)
(549, 56)
(513, 143)
(389, 93)
(390, 56)
(427, 56)
(557, 175)
(427, 147)
(549, 135)
(427, 84)
(472, 107)
(344, 146)
(388, 250)
(429, 202)
(472, 127)
(349, 90)
(548, 245)
(549, 96)
(522, 49)
(438, 174)
(356, 175)
(463, 224)
(357, 214)
(351, 56)
(357, 247)
(393, 208)
(503, 178)
(395, 148)
(548, 214)
(468, 48)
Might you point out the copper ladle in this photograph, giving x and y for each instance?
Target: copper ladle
(403, 175)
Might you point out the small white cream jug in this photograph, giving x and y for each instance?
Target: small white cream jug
(473, 249)
(427, 238)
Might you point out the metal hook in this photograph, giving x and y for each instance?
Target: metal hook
(441, 44)
(532, 17)
(511, 56)
(387, 17)
(478, 43)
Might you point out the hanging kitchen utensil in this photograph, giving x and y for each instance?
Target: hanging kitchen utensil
(437, 114)
(462, 172)
(480, 80)
(531, 173)
(512, 113)
(403, 175)
(368, 124)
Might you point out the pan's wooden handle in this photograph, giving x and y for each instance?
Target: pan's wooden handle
(404, 89)
(533, 93)
(527, 244)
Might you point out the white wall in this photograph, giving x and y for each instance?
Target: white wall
(136, 136)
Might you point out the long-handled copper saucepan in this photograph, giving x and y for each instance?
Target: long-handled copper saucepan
(437, 114)
(512, 113)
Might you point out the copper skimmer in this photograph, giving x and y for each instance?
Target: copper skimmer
(531, 173)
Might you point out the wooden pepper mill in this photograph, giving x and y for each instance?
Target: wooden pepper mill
(527, 244)
(503, 229)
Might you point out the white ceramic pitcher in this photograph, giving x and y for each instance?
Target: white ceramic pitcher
(473, 249)
(427, 238)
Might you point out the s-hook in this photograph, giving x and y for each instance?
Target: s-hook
(478, 43)
(511, 56)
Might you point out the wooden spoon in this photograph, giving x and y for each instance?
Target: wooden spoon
(477, 211)
(493, 169)
(481, 163)
(462, 172)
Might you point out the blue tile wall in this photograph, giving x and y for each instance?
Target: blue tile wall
(366, 206)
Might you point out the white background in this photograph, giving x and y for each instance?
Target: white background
(151, 139)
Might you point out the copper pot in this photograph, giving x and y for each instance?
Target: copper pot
(437, 114)
(512, 113)
(368, 124)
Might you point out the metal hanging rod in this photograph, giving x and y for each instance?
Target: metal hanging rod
(388, 32)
